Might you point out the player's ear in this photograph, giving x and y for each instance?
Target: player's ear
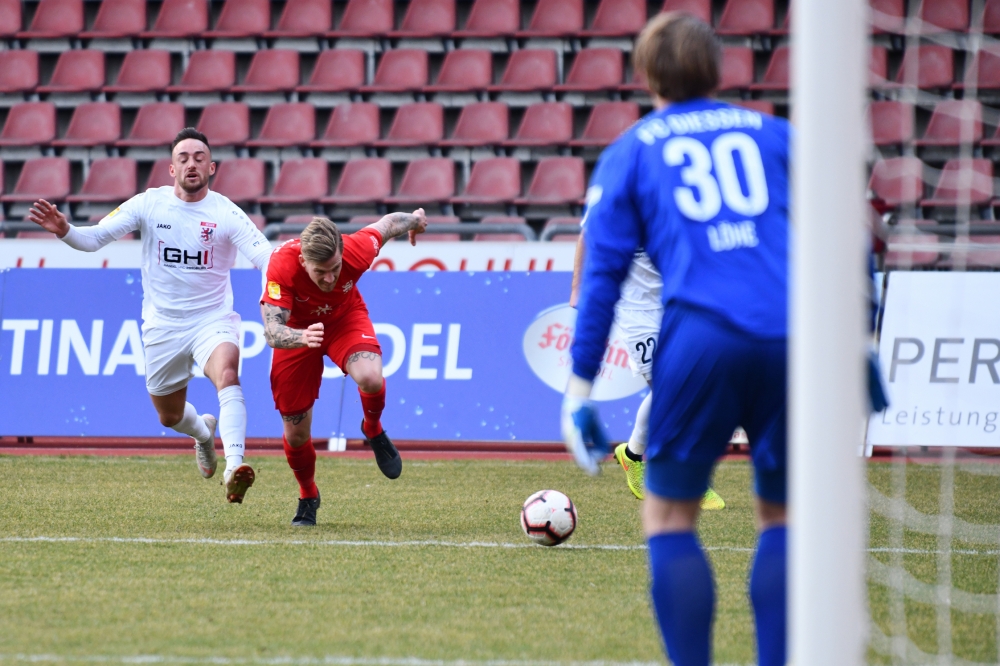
(211, 168)
(302, 260)
(173, 174)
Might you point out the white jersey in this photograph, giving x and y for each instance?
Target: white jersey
(187, 251)
(643, 287)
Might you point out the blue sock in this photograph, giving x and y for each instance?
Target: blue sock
(684, 597)
(768, 596)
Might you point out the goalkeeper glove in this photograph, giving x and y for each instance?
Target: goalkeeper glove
(581, 429)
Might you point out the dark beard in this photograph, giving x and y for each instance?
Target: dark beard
(187, 187)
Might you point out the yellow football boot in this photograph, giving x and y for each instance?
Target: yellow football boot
(634, 470)
(712, 502)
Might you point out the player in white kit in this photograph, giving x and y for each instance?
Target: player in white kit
(190, 236)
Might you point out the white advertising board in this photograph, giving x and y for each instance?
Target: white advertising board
(939, 351)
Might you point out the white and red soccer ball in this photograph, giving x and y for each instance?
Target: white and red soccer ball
(548, 517)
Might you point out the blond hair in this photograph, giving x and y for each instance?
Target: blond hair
(321, 240)
(680, 56)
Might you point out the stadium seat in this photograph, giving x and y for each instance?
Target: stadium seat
(241, 19)
(432, 237)
(776, 75)
(111, 180)
(365, 18)
(354, 124)
(207, 71)
(954, 122)
(944, 16)
(557, 181)
(956, 187)
(29, 124)
(500, 238)
(617, 18)
(427, 18)
(571, 222)
(492, 18)
(888, 16)
(991, 17)
(242, 180)
(492, 181)
(935, 66)
(593, 70)
(607, 121)
(303, 18)
(528, 70)
(980, 258)
(986, 65)
(758, 105)
(143, 71)
(31, 235)
(117, 19)
(367, 180)
(258, 220)
(159, 175)
(699, 8)
(225, 123)
(417, 124)
(555, 18)
(737, 68)
(746, 17)
(906, 232)
(480, 124)
(55, 19)
(41, 178)
(10, 18)
(300, 181)
(336, 70)
(76, 71)
(179, 19)
(400, 70)
(426, 180)
(896, 182)
(18, 71)
(892, 123)
(464, 70)
(287, 124)
(93, 124)
(544, 123)
(155, 125)
(271, 70)
(878, 67)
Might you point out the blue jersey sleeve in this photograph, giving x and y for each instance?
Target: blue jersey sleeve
(612, 231)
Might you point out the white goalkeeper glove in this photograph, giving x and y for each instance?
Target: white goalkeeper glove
(581, 428)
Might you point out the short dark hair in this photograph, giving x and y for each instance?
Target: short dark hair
(189, 133)
(321, 240)
(680, 56)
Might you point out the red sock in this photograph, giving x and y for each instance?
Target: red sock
(372, 404)
(303, 463)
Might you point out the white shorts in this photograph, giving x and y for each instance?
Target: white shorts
(642, 330)
(171, 353)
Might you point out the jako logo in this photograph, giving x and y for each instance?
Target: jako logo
(546, 347)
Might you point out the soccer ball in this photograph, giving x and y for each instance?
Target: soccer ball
(548, 517)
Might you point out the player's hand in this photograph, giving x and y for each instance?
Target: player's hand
(419, 226)
(581, 428)
(48, 217)
(313, 336)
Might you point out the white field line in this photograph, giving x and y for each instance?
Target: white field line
(303, 661)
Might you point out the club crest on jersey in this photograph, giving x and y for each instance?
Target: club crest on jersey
(322, 310)
(207, 232)
(347, 287)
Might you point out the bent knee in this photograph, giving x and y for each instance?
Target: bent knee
(370, 381)
(170, 419)
(297, 439)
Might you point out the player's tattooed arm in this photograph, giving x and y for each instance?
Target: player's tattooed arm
(397, 224)
(281, 336)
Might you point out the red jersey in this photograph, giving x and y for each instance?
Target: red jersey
(290, 287)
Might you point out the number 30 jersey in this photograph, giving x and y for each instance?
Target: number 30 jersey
(703, 187)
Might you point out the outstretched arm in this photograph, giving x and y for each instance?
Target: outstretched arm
(48, 217)
(116, 224)
(397, 224)
(281, 336)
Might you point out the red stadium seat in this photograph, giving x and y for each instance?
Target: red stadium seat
(986, 65)
(888, 16)
(242, 18)
(29, 124)
(242, 180)
(878, 66)
(143, 71)
(41, 178)
(737, 68)
(571, 222)
(300, 181)
(417, 124)
(492, 18)
(944, 16)
(304, 18)
(365, 18)
(480, 124)
(528, 70)
(618, 18)
(427, 18)
(776, 76)
(336, 70)
(155, 125)
(934, 63)
(699, 8)
(892, 123)
(207, 71)
(430, 236)
(607, 121)
(93, 124)
(544, 123)
(906, 232)
(595, 69)
(225, 123)
(258, 220)
(427, 180)
(746, 17)
(77, 71)
(54, 19)
(10, 19)
(117, 19)
(758, 105)
(287, 124)
(557, 181)
(271, 70)
(31, 235)
(956, 187)
(555, 18)
(499, 238)
(895, 182)
(367, 180)
(492, 181)
(953, 123)
(111, 180)
(400, 70)
(464, 70)
(18, 71)
(354, 124)
(991, 17)
(159, 175)
(179, 19)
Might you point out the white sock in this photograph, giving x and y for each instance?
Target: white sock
(640, 433)
(232, 425)
(192, 424)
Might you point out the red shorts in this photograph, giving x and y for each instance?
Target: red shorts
(296, 374)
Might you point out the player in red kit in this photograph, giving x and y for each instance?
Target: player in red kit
(311, 307)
